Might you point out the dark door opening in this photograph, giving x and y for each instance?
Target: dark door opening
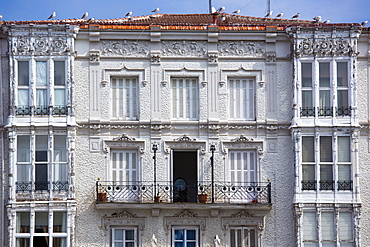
(185, 176)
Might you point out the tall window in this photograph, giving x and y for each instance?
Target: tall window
(242, 236)
(47, 89)
(328, 229)
(242, 166)
(50, 171)
(39, 233)
(241, 99)
(124, 166)
(331, 95)
(184, 98)
(321, 169)
(125, 98)
(185, 237)
(124, 237)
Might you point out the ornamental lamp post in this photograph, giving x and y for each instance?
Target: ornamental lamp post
(155, 149)
(212, 149)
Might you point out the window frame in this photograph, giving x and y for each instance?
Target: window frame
(185, 229)
(246, 100)
(191, 106)
(242, 237)
(124, 241)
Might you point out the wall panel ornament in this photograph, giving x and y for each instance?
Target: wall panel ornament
(40, 46)
(125, 48)
(325, 47)
(241, 48)
(184, 48)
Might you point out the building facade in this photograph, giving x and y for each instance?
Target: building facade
(184, 130)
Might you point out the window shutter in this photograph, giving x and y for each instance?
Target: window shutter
(309, 226)
(327, 226)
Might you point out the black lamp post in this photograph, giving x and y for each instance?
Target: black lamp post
(155, 149)
(212, 149)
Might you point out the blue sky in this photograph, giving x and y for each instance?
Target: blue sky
(336, 10)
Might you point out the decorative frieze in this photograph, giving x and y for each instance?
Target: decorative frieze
(241, 48)
(125, 48)
(188, 48)
(324, 47)
(40, 46)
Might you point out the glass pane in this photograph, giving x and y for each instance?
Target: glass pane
(324, 75)
(59, 73)
(24, 173)
(342, 74)
(41, 143)
(60, 242)
(59, 222)
(179, 234)
(23, 73)
(60, 149)
(23, 222)
(342, 98)
(179, 244)
(326, 149)
(23, 97)
(41, 222)
(190, 244)
(326, 172)
(308, 172)
(23, 148)
(306, 70)
(344, 172)
(22, 242)
(324, 99)
(327, 226)
(309, 226)
(118, 244)
(307, 99)
(308, 149)
(344, 151)
(190, 234)
(59, 97)
(130, 234)
(41, 79)
(118, 234)
(345, 226)
(41, 99)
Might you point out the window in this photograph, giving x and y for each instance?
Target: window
(321, 169)
(124, 237)
(331, 230)
(43, 163)
(331, 92)
(243, 166)
(125, 98)
(241, 99)
(38, 233)
(184, 98)
(124, 166)
(242, 236)
(185, 237)
(47, 89)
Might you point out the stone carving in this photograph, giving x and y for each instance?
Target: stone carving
(186, 214)
(94, 57)
(155, 58)
(241, 214)
(184, 48)
(185, 218)
(39, 45)
(184, 138)
(242, 138)
(124, 214)
(124, 137)
(271, 58)
(212, 58)
(241, 48)
(324, 47)
(125, 48)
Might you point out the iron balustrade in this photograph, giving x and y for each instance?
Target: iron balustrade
(41, 110)
(307, 111)
(143, 192)
(23, 110)
(327, 185)
(344, 185)
(325, 111)
(59, 110)
(343, 111)
(41, 186)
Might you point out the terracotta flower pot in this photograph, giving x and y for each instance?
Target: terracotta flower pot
(202, 198)
(102, 197)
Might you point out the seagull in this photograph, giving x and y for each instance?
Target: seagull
(269, 14)
(317, 18)
(213, 9)
(327, 21)
(236, 11)
(280, 14)
(364, 23)
(92, 19)
(221, 9)
(85, 15)
(128, 14)
(223, 18)
(155, 10)
(296, 16)
(1, 16)
(52, 15)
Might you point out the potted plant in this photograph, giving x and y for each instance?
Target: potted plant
(202, 198)
(102, 195)
(157, 198)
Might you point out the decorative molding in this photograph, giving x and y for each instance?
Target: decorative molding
(243, 218)
(40, 46)
(185, 218)
(242, 142)
(126, 48)
(222, 83)
(241, 48)
(325, 47)
(213, 58)
(155, 58)
(184, 138)
(94, 57)
(188, 48)
(204, 83)
(243, 138)
(185, 142)
(104, 83)
(124, 137)
(124, 142)
(159, 127)
(144, 82)
(123, 219)
(271, 57)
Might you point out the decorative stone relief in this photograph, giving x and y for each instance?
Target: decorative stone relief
(39, 45)
(241, 48)
(185, 142)
(123, 219)
(271, 58)
(243, 218)
(213, 58)
(124, 137)
(124, 142)
(94, 57)
(242, 142)
(242, 138)
(187, 48)
(155, 58)
(185, 218)
(324, 47)
(184, 138)
(127, 48)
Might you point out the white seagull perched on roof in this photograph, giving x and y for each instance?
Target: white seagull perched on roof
(155, 10)
(364, 23)
(223, 18)
(236, 11)
(128, 14)
(221, 9)
(213, 10)
(296, 16)
(85, 15)
(317, 18)
(280, 14)
(327, 21)
(269, 14)
(52, 16)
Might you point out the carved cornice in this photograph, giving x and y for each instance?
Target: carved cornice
(184, 138)
(125, 48)
(123, 219)
(185, 218)
(124, 137)
(325, 47)
(124, 142)
(241, 48)
(243, 218)
(241, 143)
(188, 48)
(243, 138)
(46, 46)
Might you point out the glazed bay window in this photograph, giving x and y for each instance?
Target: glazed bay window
(327, 229)
(34, 228)
(241, 98)
(320, 170)
(124, 237)
(47, 90)
(185, 237)
(50, 171)
(242, 236)
(332, 91)
(125, 98)
(184, 98)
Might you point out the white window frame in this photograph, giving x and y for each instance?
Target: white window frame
(237, 171)
(185, 229)
(132, 170)
(185, 100)
(124, 241)
(242, 95)
(125, 98)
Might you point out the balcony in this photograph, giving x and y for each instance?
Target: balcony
(168, 192)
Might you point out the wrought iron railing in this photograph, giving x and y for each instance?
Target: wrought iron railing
(41, 186)
(143, 192)
(23, 110)
(307, 111)
(343, 111)
(326, 185)
(60, 110)
(325, 111)
(41, 110)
